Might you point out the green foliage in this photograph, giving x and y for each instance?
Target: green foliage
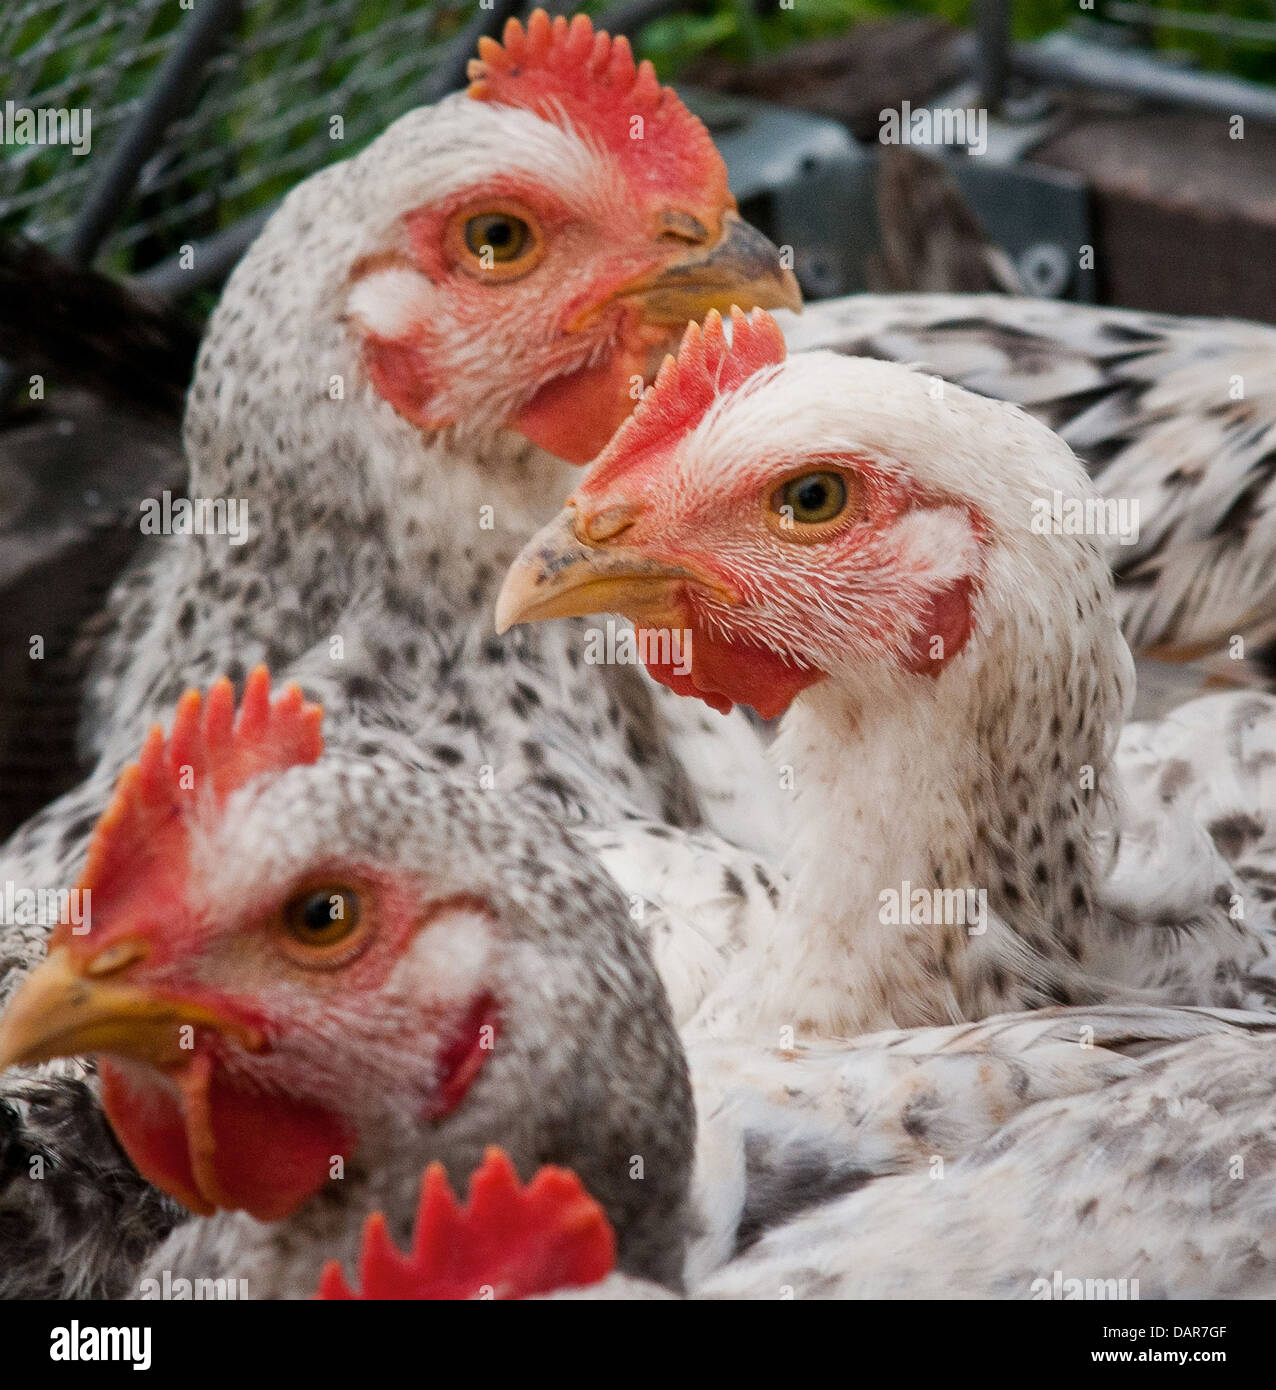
(738, 30)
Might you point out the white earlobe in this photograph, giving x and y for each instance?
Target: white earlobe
(939, 545)
(391, 303)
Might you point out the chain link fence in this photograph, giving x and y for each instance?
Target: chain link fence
(202, 115)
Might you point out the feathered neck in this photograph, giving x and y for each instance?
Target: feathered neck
(281, 413)
(949, 833)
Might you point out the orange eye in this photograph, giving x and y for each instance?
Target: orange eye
(500, 243)
(803, 507)
(322, 924)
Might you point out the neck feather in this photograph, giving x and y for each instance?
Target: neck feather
(949, 835)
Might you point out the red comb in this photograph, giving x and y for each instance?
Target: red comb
(555, 68)
(207, 754)
(706, 367)
(513, 1240)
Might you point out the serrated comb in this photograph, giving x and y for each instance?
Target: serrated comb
(559, 69)
(509, 1241)
(206, 755)
(707, 366)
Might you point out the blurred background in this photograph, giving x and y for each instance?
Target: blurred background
(1129, 157)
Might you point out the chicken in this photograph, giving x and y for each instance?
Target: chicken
(977, 1161)
(1174, 417)
(308, 973)
(839, 536)
(388, 391)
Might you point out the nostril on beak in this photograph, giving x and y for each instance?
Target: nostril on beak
(682, 226)
(602, 526)
(114, 958)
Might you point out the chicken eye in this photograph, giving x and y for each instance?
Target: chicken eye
(498, 236)
(811, 498)
(322, 916)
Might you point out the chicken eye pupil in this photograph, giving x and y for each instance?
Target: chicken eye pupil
(317, 913)
(815, 497)
(323, 916)
(500, 235)
(812, 496)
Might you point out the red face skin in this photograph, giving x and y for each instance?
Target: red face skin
(564, 336)
(560, 330)
(217, 1129)
(758, 579)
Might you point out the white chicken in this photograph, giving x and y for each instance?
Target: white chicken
(911, 568)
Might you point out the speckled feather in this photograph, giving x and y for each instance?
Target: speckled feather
(971, 1160)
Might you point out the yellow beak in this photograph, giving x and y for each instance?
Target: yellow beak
(62, 1010)
(742, 267)
(559, 575)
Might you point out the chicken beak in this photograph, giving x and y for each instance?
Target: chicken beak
(742, 268)
(62, 1010)
(559, 575)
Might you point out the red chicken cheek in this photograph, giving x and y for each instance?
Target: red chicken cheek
(399, 373)
(945, 627)
(726, 673)
(219, 1146)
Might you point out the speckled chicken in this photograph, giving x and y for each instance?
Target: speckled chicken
(390, 384)
(1115, 1152)
(879, 552)
(310, 972)
(297, 1012)
(390, 387)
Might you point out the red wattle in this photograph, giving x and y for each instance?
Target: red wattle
(221, 1147)
(726, 673)
(573, 416)
(147, 1120)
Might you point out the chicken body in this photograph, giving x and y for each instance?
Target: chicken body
(1158, 1186)
(1031, 1156)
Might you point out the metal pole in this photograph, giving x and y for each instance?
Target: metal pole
(1075, 62)
(992, 27)
(173, 90)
